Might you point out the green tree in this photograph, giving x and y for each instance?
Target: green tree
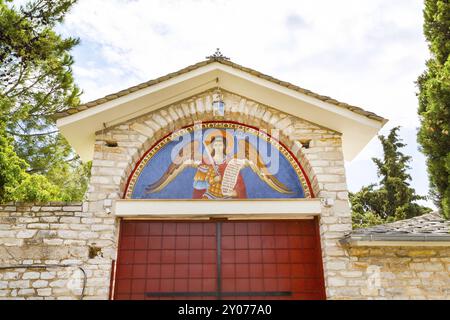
(15, 183)
(393, 198)
(434, 102)
(35, 82)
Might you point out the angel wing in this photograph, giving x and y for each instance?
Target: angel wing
(187, 157)
(250, 156)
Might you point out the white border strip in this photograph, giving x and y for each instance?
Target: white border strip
(205, 209)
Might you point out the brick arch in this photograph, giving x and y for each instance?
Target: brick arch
(152, 127)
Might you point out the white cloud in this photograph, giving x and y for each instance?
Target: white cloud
(367, 53)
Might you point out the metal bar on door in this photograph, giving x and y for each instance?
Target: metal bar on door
(220, 294)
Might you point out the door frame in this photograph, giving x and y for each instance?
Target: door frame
(218, 243)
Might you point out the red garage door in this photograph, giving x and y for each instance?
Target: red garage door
(219, 260)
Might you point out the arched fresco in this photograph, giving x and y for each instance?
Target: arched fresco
(218, 160)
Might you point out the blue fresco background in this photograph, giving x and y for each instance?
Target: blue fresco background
(182, 186)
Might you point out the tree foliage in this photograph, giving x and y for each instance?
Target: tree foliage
(393, 198)
(35, 82)
(16, 183)
(434, 102)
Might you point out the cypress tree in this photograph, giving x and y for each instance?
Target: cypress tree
(392, 198)
(434, 102)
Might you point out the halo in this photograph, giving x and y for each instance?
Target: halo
(225, 134)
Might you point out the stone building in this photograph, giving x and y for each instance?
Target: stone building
(217, 181)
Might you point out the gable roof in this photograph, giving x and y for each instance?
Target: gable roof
(79, 125)
(258, 74)
(431, 227)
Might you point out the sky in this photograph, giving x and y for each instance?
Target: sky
(364, 52)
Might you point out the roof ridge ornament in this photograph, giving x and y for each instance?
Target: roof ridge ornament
(217, 56)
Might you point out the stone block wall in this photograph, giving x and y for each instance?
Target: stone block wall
(46, 249)
(394, 273)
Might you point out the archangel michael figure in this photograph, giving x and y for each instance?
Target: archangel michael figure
(218, 174)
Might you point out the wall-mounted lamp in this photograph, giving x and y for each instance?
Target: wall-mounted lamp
(218, 104)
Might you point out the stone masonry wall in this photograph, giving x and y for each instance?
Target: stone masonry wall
(51, 242)
(45, 250)
(396, 273)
